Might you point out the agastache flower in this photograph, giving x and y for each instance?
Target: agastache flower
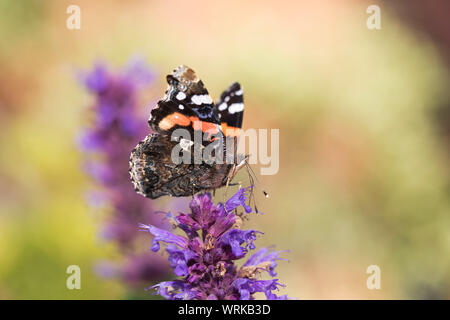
(115, 129)
(205, 258)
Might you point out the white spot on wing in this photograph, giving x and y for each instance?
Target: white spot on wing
(239, 92)
(222, 106)
(201, 99)
(180, 106)
(207, 99)
(181, 96)
(196, 100)
(236, 107)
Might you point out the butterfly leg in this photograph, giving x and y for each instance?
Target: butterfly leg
(227, 184)
(233, 171)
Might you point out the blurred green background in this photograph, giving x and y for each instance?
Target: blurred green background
(363, 119)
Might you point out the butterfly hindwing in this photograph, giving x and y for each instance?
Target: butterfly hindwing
(154, 174)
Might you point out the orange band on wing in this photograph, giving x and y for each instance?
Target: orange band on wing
(230, 131)
(204, 126)
(173, 119)
(177, 118)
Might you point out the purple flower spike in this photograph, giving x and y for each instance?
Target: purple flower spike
(116, 126)
(204, 258)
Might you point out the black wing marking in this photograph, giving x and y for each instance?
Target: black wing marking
(231, 106)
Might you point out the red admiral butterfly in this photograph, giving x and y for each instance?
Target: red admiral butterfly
(187, 105)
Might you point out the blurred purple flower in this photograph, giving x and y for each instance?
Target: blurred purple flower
(204, 258)
(115, 129)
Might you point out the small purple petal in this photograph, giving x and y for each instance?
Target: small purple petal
(203, 210)
(223, 222)
(264, 255)
(239, 199)
(161, 235)
(179, 259)
(175, 290)
(188, 221)
(235, 237)
(247, 287)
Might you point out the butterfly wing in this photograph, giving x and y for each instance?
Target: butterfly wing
(186, 104)
(154, 174)
(230, 108)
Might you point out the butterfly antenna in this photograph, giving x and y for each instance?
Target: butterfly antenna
(252, 177)
(252, 174)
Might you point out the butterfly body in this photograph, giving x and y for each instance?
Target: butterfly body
(187, 105)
